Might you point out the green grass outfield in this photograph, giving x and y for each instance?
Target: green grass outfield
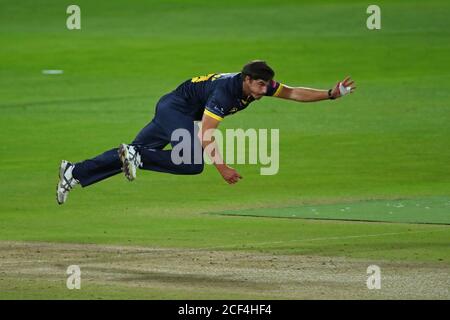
(388, 141)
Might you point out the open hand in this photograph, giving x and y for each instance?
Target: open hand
(343, 87)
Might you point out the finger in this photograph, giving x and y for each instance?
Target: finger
(349, 84)
(346, 79)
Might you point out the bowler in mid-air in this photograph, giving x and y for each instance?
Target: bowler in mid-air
(208, 99)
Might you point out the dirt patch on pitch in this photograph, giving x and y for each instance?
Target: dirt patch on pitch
(236, 273)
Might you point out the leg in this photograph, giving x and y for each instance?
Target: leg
(108, 163)
(161, 160)
(99, 168)
(149, 143)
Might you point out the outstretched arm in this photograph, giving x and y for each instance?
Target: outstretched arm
(310, 95)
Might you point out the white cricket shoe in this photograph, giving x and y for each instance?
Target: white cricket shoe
(131, 160)
(66, 181)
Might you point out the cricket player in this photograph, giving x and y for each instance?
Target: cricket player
(208, 98)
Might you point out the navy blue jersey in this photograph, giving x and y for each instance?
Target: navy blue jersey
(217, 95)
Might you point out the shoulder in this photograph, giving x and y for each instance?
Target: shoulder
(220, 101)
(225, 90)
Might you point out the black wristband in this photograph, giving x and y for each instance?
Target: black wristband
(329, 94)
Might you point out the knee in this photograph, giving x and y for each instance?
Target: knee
(195, 168)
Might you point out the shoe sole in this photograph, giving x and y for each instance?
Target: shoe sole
(123, 155)
(62, 169)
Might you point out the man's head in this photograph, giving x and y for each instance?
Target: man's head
(256, 75)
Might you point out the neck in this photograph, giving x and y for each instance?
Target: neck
(245, 90)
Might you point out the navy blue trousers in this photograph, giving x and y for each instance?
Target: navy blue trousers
(149, 142)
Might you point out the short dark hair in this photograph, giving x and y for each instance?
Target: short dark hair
(258, 69)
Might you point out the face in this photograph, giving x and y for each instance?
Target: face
(256, 88)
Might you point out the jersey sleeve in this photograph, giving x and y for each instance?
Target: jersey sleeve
(273, 88)
(217, 105)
